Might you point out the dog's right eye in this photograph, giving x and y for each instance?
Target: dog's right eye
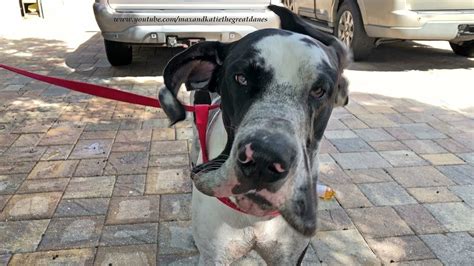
(241, 79)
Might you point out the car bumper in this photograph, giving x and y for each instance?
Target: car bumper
(435, 25)
(153, 27)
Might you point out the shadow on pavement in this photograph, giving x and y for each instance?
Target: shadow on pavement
(407, 55)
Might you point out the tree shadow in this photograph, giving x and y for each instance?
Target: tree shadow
(408, 55)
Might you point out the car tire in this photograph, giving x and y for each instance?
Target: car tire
(350, 30)
(118, 53)
(463, 48)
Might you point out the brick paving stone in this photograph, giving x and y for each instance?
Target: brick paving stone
(7, 139)
(163, 134)
(455, 216)
(387, 145)
(103, 126)
(31, 206)
(171, 161)
(424, 146)
(175, 260)
(351, 145)
(24, 154)
(130, 124)
(129, 185)
(339, 134)
(21, 236)
(399, 118)
(336, 219)
(130, 147)
(353, 123)
(326, 159)
(5, 258)
(400, 133)
(467, 157)
(129, 234)
(394, 249)
(419, 219)
(8, 168)
(368, 176)
(127, 163)
(86, 149)
(402, 158)
(442, 159)
(169, 147)
(44, 185)
(451, 248)
(175, 207)
(333, 124)
(61, 136)
(386, 194)
(461, 174)
(423, 131)
(175, 238)
(140, 135)
(75, 232)
(376, 120)
(126, 255)
(10, 183)
(466, 193)
(155, 123)
(331, 173)
(90, 167)
(360, 160)
(421, 117)
(98, 135)
(433, 194)
(90, 187)
(27, 140)
(343, 247)
(167, 181)
(186, 133)
(452, 146)
(374, 134)
(3, 201)
(33, 127)
(379, 222)
(423, 176)
(350, 196)
(83, 256)
(53, 169)
(326, 147)
(123, 210)
(57, 152)
(82, 207)
(429, 262)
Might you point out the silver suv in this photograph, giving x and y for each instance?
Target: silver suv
(363, 24)
(177, 23)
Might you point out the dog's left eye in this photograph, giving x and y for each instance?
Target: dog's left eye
(241, 79)
(317, 92)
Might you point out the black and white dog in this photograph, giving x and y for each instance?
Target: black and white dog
(277, 88)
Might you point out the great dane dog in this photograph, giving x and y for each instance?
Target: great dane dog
(278, 88)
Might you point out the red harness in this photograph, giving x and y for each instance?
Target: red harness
(201, 110)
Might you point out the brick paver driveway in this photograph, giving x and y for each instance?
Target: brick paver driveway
(90, 181)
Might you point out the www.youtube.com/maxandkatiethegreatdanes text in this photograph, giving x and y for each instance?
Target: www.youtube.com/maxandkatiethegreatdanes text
(178, 19)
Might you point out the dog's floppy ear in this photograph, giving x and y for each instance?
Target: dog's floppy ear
(195, 67)
(292, 22)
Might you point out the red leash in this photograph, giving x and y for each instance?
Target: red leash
(201, 110)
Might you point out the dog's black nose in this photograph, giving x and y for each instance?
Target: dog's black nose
(267, 158)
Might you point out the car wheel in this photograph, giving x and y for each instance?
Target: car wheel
(350, 30)
(118, 53)
(463, 48)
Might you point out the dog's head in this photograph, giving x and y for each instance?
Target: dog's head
(278, 88)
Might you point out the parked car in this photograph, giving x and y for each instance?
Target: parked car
(363, 24)
(174, 23)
